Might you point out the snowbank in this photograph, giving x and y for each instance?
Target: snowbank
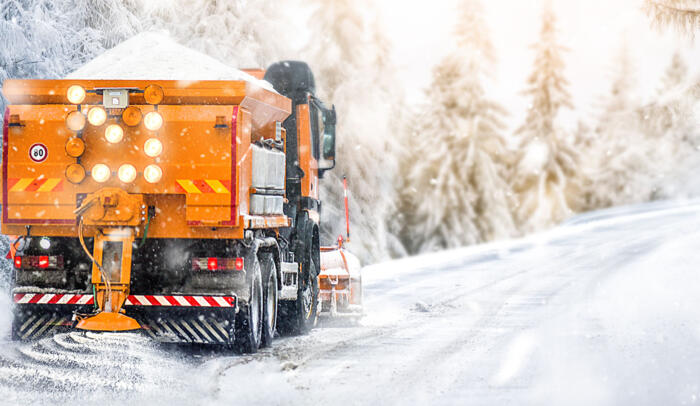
(156, 56)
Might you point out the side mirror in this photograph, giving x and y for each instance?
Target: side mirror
(329, 120)
(328, 141)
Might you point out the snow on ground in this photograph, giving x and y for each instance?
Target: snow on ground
(156, 56)
(602, 310)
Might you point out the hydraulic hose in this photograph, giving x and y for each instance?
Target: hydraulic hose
(105, 279)
(145, 232)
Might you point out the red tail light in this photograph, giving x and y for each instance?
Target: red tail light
(213, 264)
(217, 264)
(53, 262)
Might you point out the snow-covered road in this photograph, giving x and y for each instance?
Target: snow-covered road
(602, 310)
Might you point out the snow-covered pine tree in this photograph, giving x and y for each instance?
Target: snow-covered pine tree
(673, 108)
(49, 38)
(241, 33)
(454, 192)
(675, 74)
(670, 123)
(390, 102)
(547, 176)
(683, 15)
(674, 113)
(343, 54)
(616, 161)
(338, 46)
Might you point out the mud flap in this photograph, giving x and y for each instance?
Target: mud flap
(34, 321)
(180, 325)
(168, 325)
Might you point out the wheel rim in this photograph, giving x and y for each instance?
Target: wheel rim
(270, 304)
(307, 294)
(307, 301)
(255, 309)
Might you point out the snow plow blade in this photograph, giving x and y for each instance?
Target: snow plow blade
(169, 319)
(340, 284)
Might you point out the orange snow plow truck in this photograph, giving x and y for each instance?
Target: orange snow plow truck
(186, 210)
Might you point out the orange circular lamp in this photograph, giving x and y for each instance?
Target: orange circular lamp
(153, 94)
(75, 147)
(75, 173)
(76, 120)
(131, 116)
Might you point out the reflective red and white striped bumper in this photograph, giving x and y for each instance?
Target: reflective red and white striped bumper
(132, 300)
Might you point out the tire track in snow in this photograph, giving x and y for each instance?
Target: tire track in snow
(319, 344)
(87, 366)
(527, 291)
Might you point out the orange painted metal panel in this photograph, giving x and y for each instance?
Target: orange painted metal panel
(206, 166)
(309, 183)
(245, 161)
(208, 92)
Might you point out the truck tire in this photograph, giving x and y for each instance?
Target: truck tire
(249, 321)
(309, 306)
(270, 298)
(300, 316)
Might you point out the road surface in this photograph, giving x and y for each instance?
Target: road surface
(603, 310)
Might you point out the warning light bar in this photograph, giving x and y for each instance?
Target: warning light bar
(217, 264)
(54, 262)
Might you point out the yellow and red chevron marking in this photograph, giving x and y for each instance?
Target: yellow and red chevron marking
(200, 186)
(39, 184)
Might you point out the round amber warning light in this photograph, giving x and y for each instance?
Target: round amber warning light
(97, 116)
(100, 173)
(75, 147)
(153, 121)
(75, 121)
(153, 94)
(75, 94)
(153, 147)
(75, 173)
(152, 173)
(114, 133)
(126, 173)
(131, 116)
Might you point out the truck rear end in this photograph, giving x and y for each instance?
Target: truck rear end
(132, 203)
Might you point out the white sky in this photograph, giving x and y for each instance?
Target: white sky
(593, 30)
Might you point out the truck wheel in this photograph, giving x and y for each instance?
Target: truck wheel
(309, 304)
(249, 322)
(300, 316)
(269, 275)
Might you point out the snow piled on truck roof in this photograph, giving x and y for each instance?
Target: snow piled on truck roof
(156, 56)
